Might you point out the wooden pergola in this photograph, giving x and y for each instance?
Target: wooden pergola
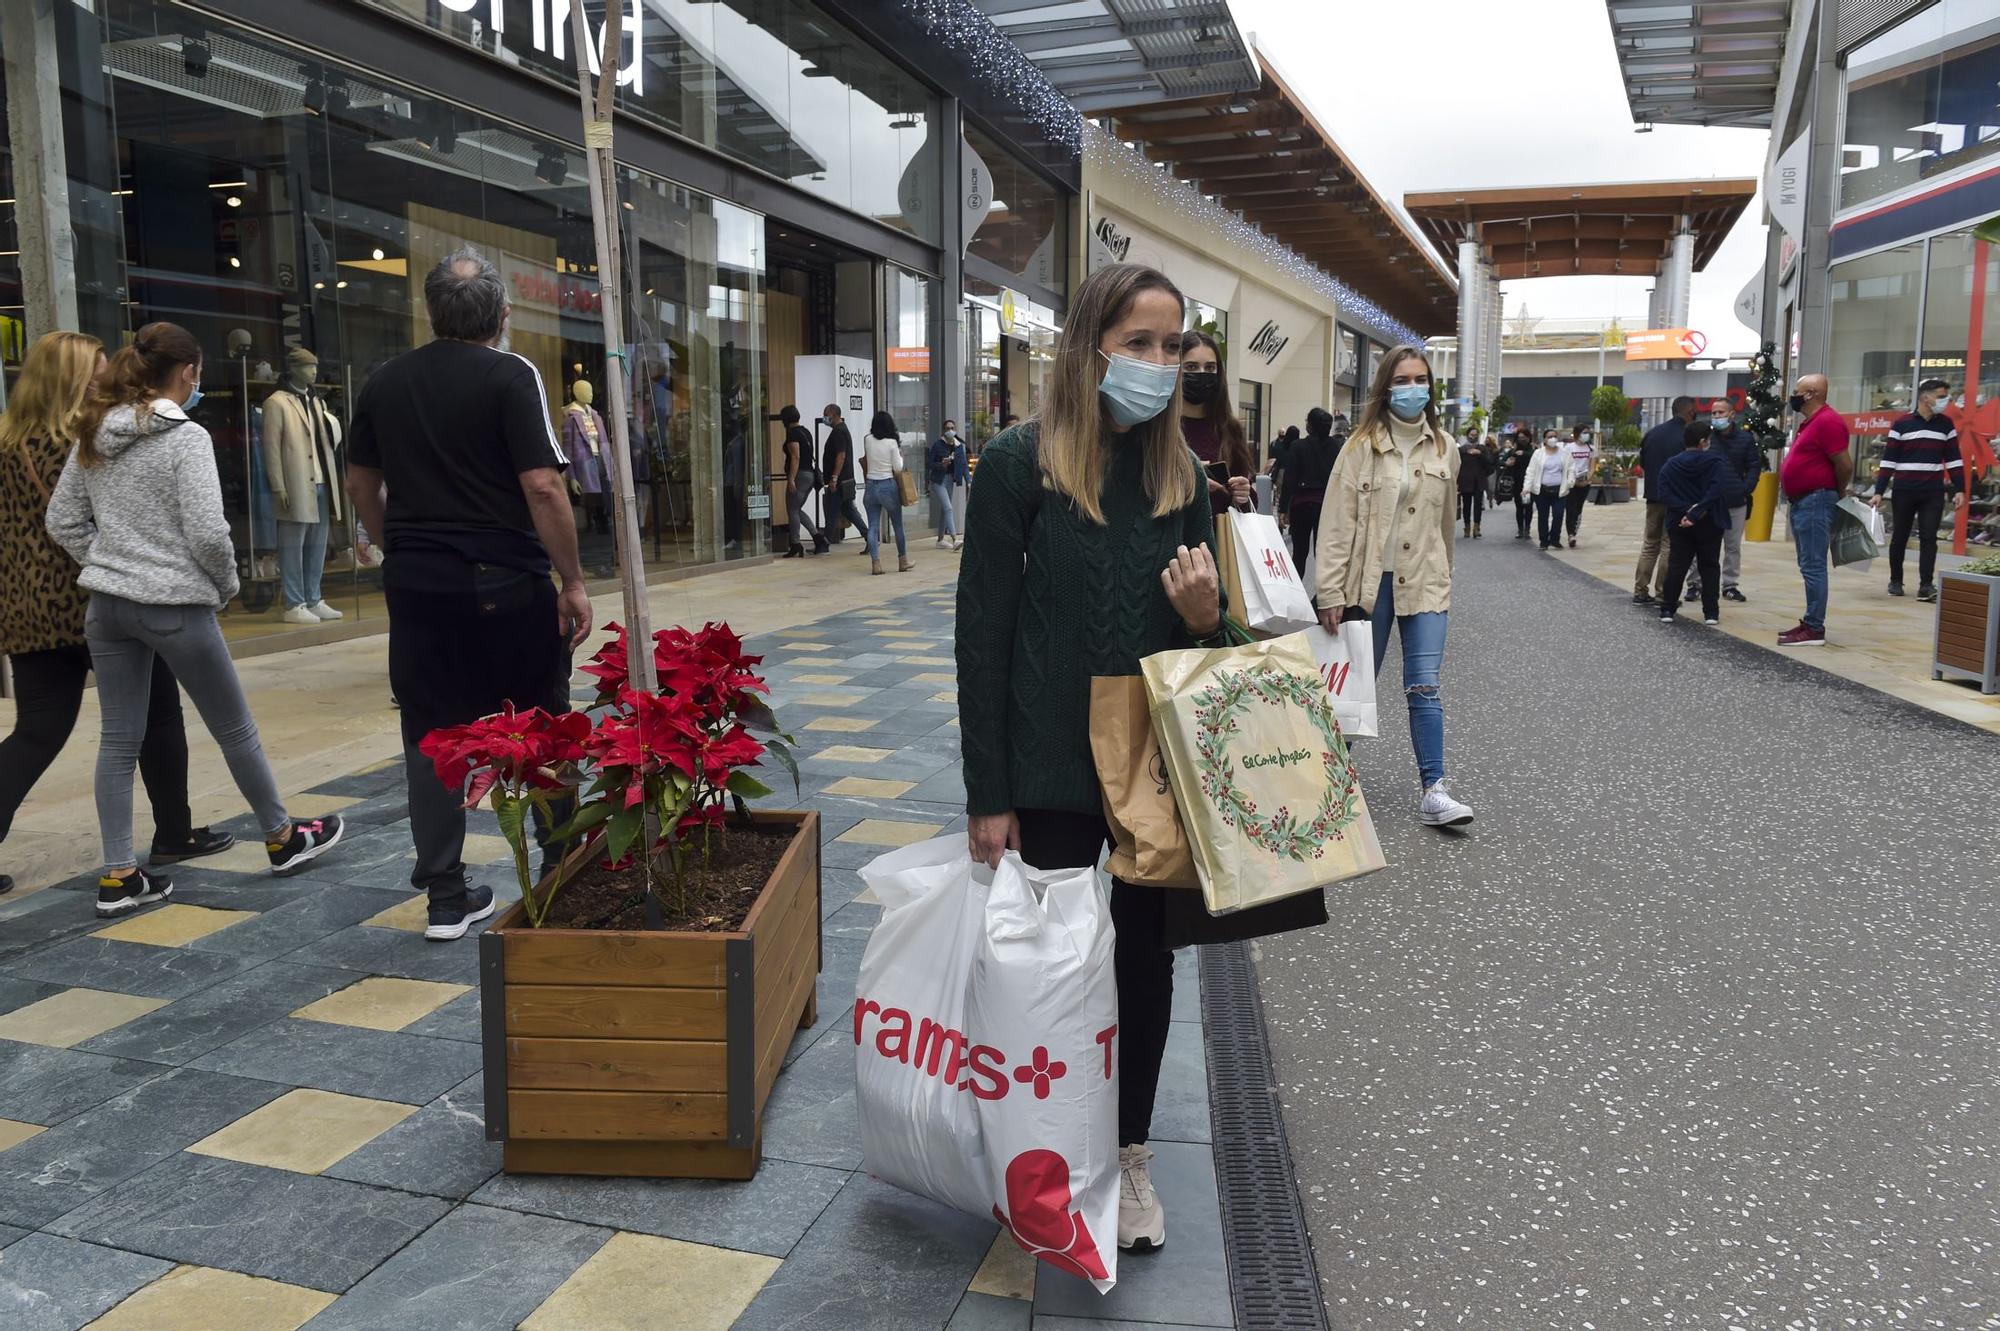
(1625, 230)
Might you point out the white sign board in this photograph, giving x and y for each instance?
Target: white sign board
(845, 382)
(1785, 191)
(1265, 332)
(1750, 302)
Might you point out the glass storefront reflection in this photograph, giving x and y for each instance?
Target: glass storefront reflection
(1919, 99)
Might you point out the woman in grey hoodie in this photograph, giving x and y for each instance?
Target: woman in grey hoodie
(139, 507)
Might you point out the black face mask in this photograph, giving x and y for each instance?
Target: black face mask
(1796, 402)
(1198, 386)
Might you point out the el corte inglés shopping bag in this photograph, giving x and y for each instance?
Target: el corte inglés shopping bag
(1269, 797)
(986, 1048)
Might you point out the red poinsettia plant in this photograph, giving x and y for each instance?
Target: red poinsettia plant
(649, 776)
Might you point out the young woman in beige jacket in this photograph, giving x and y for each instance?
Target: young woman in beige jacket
(1385, 551)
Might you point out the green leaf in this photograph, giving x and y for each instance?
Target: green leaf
(747, 786)
(513, 816)
(589, 816)
(756, 716)
(781, 751)
(626, 825)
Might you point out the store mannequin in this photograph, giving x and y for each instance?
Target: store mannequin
(584, 439)
(300, 436)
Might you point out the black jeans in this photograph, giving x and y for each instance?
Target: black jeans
(1549, 516)
(842, 511)
(1699, 546)
(1524, 513)
(49, 693)
(464, 638)
(1304, 522)
(1924, 512)
(1057, 839)
(1471, 503)
(1578, 497)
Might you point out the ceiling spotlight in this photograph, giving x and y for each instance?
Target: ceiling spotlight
(233, 201)
(195, 55)
(313, 99)
(235, 262)
(319, 286)
(376, 254)
(341, 285)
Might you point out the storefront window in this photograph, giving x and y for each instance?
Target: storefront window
(1871, 361)
(1211, 320)
(1964, 285)
(1919, 99)
(1023, 234)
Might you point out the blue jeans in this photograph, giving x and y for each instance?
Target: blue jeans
(1812, 532)
(883, 499)
(1549, 516)
(1423, 659)
(941, 491)
(302, 555)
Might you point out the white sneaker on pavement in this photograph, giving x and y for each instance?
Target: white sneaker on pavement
(325, 611)
(1142, 1221)
(1439, 809)
(302, 614)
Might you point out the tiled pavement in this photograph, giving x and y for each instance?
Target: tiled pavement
(259, 1107)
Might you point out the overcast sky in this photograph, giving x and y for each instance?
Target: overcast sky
(1476, 94)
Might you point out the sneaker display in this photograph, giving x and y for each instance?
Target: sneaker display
(197, 843)
(116, 895)
(1439, 809)
(1802, 636)
(325, 611)
(308, 841)
(450, 922)
(301, 614)
(1927, 593)
(1142, 1221)
(1732, 594)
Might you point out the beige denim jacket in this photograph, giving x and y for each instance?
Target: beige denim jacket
(1354, 524)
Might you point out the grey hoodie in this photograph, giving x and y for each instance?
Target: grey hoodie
(146, 523)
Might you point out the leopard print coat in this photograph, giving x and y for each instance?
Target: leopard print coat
(41, 607)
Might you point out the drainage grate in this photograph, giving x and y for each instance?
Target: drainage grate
(1271, 1274)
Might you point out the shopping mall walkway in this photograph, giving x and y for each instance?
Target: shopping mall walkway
(1695, 1027)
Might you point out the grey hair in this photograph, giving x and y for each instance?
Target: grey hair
(466, 299)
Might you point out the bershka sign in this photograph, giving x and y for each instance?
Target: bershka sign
(548, 33)
(1269, 343)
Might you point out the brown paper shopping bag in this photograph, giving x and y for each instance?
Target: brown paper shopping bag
(1149, 845)
(1226, 568)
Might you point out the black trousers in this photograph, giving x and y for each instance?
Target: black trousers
(1699, 546)
(1924, 512)
(1549, 516)
(464, 639)
(1578, 497)
(842, 512)
(49, 693)
(1524, 513)
(1471, 503)
(1304, 520)
(1057, 839)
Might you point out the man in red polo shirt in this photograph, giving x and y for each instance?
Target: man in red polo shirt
(1813, 476)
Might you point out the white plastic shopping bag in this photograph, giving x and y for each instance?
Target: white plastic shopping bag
(986, 1039)
(1347, 663)
(1275, 601)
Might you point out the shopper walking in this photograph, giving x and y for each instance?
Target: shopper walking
(1510, 483)
(139, 508)
(1920, 466)
(1694, 489)
(1385, 542)
(1813, 475)
(945, 469)
(1088, 547)
(801, 482)
(837, 508)
(1548, 480)
(881, 459)
(1583, 467)
(1745, 456)
(454, 462)
(1211, 429)
(42, 609)
(1308, 467)
(1475, 468)
(1662, 444)
(1281, 451)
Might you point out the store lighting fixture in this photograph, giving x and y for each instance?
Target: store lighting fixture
(552, 164)
(376, 254)
(313, 98)
(341, 285)
(195, 55)
(319, 286)
(1008, 74)
(230, 184)
(233, 201)
(235, 262)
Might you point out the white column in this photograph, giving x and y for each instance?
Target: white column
(1471, 317)
(41, 171)
(1493, 335)
(1680, 264)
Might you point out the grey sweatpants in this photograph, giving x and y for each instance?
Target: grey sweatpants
(124, 637)
(1732, 546)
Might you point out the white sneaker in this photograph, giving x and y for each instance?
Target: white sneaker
(325, 611)
(1439, 809)
(302, 614)
(1142, 1221)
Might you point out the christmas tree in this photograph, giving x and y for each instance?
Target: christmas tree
(1762, 406)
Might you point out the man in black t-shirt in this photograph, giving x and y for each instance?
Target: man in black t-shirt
(453, 462)
(838, 477)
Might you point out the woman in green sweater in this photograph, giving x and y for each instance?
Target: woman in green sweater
(1086, 548)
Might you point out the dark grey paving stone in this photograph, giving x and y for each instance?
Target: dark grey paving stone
(768, 1214)
(1186, 1283)
(946, 788)
(187, 1028)
(367, 853)
(19, 993)
(440, 1150)
(325, 910)
(855, 920)
(389, 805)
(15, 906)
(1187, 985)
(57, 1284)
(990, 1312)
(39, 1085)
(1180, 1110)
(810, 1117)
(195, 886)
(130, 968)
(1043, 1322)
(456, 1020)
(856, 807)
(55, 1172)
(879, 1258)
(475, 1270)
(362, 785)
(307, 1230)
(838, 886)
(60, 917)
(398, 952)
(9, 1234)
(386, 1065)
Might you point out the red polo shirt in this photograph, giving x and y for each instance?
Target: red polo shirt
(1808, 464)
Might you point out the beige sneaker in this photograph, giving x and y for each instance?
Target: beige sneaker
(1142, 1221)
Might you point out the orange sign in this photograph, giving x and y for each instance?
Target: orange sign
(1664, 344)
(909, 360)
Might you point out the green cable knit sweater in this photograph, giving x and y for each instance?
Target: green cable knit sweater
(1046, 600)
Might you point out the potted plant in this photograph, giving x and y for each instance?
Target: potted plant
(639, 997)
(1967, 636)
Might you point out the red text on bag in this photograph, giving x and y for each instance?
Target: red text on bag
(937, 1050)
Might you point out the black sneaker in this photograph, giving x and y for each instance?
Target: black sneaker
(1895, 589)
(1666, 616)
(1731, 594)
(1572, 542)
(115, 896)
(197, 843)
(6, 884)
(450, 922)
(1644, 598)
(1711, 620)
(308, 841)
(1927, 593)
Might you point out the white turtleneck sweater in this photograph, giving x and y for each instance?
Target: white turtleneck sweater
(1405, 435)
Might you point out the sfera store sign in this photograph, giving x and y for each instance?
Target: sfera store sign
(547, 32)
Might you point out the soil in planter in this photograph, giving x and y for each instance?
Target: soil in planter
(712, 897)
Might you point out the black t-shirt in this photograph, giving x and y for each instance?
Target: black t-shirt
(799, 449)
(451, 426)
(839, 456)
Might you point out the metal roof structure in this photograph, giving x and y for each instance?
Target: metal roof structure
(1710, 62)
(1623, 230)
(1105, 53)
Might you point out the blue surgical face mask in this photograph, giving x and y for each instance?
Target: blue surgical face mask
(1409, 400)
(194, 397)
(1135, 391)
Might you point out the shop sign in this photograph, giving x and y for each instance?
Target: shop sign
(1269, 343)
(1116, 243)
(909, 360)
(1664, 344)
(1265, 333)
(977, 183)
(548, 32)
(759, 506)
(1750, 302)
(1008, 312)
(563, 294)
(1871, 422)
(1786, 189)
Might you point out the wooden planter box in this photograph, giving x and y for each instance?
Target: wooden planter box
(649, 1054)
(1968, 630)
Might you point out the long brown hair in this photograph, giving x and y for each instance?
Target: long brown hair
(1375, 412)
(1235, 443)
(1076, 429)
(48, 400)
(137, 375)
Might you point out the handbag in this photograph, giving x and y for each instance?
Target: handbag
(1148, 844)
(906, 487)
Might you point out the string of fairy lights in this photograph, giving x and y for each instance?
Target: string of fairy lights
(958, 26)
